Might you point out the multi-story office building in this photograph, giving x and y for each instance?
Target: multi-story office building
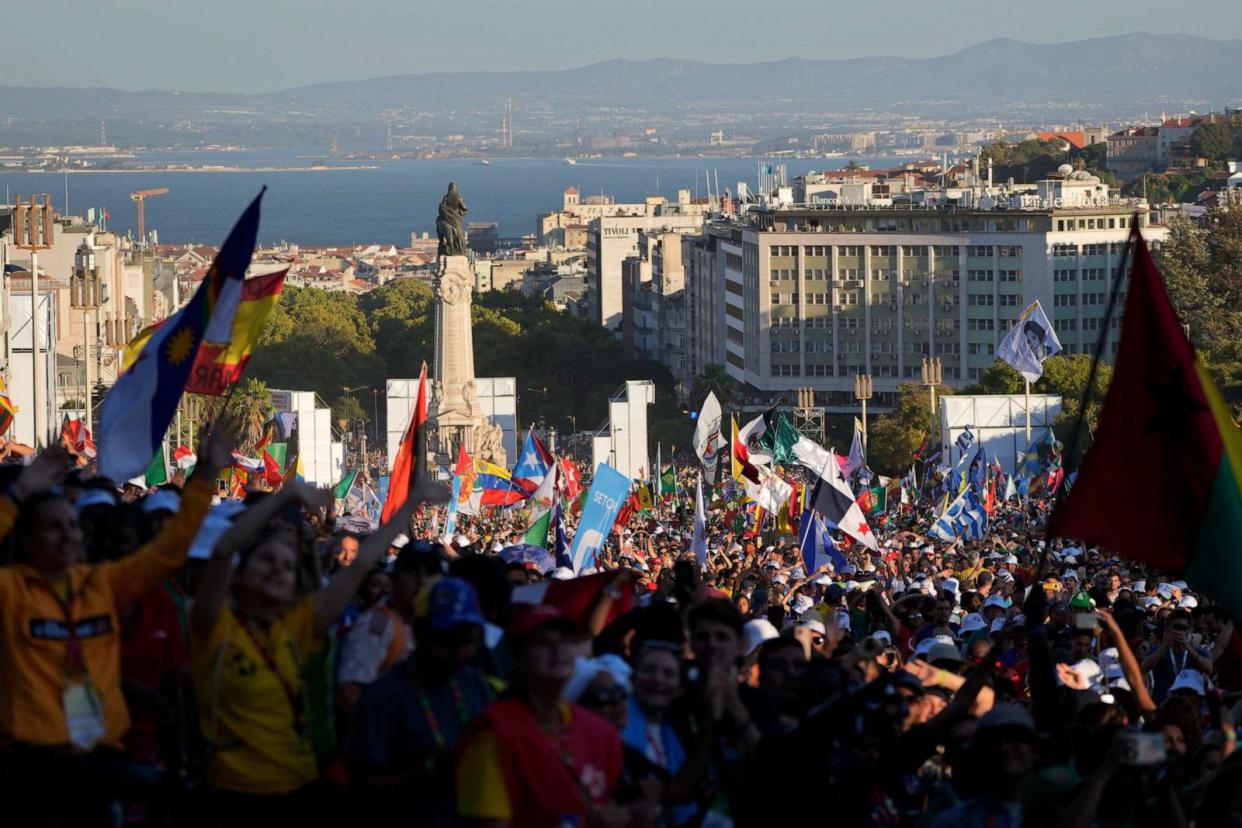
(653, 302)
(793, 296)
(613, 239)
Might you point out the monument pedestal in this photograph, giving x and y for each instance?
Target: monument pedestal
(453, 410)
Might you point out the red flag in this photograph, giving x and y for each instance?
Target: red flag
(271, 470)
(568, 481)
(405, 464)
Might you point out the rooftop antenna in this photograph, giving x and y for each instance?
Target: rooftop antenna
(717, 173)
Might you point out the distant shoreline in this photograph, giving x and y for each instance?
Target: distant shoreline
(350, 168)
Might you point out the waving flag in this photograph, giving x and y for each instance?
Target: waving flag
(220, 364)
(698, 543)
(76, 438)
(405, 464)
(1029, 342)
(497, 485)
(568, 480)
(157, 364)
(817, 546)
(1162, 407)
(964, 517)
(834, 500)
(707, 440)
(533, 464)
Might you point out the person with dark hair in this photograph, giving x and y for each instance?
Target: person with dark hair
(1034, 334)
(407, 724)
(64, 714)
(250, 638)
(530, 758)
(381, 635)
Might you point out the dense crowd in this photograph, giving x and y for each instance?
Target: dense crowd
(169, 657)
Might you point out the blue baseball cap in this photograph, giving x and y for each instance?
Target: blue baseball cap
(448, 602)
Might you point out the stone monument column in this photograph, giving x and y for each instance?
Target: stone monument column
(454, 412)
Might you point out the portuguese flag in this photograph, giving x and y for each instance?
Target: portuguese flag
(1162, 483)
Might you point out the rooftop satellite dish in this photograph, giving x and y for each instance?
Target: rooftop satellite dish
(1065, 169)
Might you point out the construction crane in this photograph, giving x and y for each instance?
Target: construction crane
(140, 198)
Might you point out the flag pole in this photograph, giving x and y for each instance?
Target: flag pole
(1101, 341)
(1028, 412)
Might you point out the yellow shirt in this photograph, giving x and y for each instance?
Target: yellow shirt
(34, 632)
(255, 731)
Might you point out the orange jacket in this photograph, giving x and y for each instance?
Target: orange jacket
(34, 630)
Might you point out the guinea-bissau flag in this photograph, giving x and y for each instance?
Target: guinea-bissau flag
(1162, 483)
(405, 464)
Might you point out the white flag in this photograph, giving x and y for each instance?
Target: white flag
(698, 544)
(707, 439)
(1029, 342)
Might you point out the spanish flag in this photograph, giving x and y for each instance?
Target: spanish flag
(1162, 483)
(220, 364)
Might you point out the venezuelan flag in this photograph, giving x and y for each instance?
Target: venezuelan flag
(497, 485)
(157, 364)
(220, 364)
(1162, 483)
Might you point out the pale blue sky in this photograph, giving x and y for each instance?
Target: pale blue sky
(263, 45)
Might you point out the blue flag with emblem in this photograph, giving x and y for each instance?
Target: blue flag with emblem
(817, 547)
(609, 491)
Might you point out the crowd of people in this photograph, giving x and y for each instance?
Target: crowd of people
(173, 658)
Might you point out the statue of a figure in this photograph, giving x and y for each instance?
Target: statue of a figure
(449, 223)
(489, 443)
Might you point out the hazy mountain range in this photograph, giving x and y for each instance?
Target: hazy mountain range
(1127, 73)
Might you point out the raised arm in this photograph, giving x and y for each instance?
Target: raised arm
(134, 575)
(331, 601)
(213, 588)
(1129, 664)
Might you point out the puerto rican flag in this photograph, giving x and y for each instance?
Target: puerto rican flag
(533, 464)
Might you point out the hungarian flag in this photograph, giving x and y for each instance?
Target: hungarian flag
(405, 465)
(1162, 410)
(219, 365)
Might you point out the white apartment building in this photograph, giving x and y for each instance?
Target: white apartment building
(794, 296)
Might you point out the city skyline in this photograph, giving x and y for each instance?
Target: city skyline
(281, 44)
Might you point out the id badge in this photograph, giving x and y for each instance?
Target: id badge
(84, 715)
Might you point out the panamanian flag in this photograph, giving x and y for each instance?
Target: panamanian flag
(533, 464)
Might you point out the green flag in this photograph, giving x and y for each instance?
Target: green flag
(783, 439)
(279, 453)
(340, 490)
(537, 533)
(668, 481)
(157, 472)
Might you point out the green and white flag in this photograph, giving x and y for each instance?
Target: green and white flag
(157, 472)
(341, 490)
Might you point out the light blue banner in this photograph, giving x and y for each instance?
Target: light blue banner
(450, 524)
(608, 492)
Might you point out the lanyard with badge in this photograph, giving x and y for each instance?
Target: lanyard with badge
(295, 697)
(84, 715)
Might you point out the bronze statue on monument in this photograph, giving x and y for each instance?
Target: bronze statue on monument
(456, 414)
(449, 223)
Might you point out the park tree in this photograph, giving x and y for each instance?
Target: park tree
(250, 405)
(893, 438)
(1214, 141)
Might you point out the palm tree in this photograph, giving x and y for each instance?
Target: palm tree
(251, 404)
(716, 380)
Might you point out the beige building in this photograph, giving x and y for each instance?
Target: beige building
(800, 296)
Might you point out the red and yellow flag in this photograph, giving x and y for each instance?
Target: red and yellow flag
(220, 364)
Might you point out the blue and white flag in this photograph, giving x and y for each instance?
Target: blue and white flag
(965, 440)
(450, 523)
(562, 553)
(698, 543)
(817, 546)
(963, 518)
(1029, 342)
(607, 495)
